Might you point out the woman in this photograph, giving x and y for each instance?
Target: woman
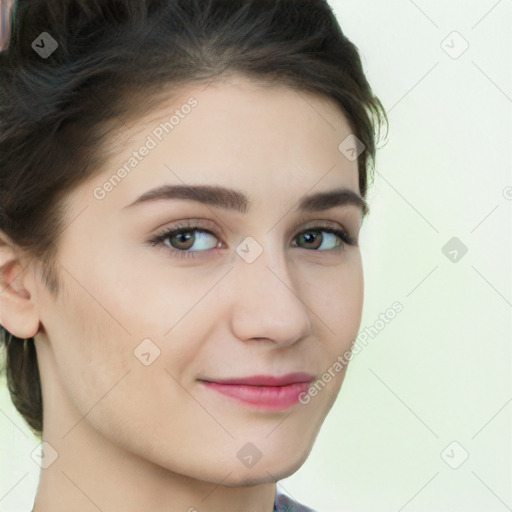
(183, 184)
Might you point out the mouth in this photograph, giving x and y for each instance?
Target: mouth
(265, 392)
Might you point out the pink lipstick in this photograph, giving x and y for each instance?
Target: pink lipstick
(263, 391)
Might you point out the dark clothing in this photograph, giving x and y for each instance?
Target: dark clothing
(283, 503)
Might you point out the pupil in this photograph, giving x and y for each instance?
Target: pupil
(310, 238)
(183, 238)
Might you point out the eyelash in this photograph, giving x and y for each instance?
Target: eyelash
(159, 238)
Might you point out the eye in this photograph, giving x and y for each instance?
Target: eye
(185, 240)
(314, 238)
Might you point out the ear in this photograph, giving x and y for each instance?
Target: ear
(18, 308)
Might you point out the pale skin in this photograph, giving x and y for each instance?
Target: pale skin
(132, 437)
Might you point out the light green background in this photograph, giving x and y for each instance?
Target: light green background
(440, 371)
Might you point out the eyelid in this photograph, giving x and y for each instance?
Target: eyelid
(183, 225)
(190, 222)
(330, 225)
(211, 227)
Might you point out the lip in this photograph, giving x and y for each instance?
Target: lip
(266, 380)
(266, 392)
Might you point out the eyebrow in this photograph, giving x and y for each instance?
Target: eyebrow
(235, 200)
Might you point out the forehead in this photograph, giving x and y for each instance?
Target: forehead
(265, 139)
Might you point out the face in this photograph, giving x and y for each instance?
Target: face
(165, 298)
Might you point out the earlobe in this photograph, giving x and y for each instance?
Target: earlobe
(18, 311)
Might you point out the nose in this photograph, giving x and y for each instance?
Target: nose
(267, 302)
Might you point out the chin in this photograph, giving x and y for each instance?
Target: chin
(260, 473)
(249, 477)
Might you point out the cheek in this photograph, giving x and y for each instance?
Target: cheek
(145, 310)
(90, 333)
(151, 297)
(92, 350)
(337, 301)
(95, 362)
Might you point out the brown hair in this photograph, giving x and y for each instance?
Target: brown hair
(115, 59)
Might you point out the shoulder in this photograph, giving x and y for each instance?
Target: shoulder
(284, 503)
